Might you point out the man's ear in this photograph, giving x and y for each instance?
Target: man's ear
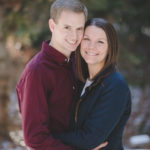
(51, 24)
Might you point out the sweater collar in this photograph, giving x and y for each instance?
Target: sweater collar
(105, 73)
(54, 54)
(98, 79)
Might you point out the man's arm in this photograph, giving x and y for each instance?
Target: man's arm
(100, 146)
(35, 113)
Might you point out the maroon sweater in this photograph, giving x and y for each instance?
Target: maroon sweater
(46, 92)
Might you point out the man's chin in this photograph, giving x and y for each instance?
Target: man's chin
(72, 49)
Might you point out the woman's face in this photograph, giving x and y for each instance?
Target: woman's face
(94, 46)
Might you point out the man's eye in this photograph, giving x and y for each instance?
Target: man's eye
(86, 39)
(66, 27)
(80, 29)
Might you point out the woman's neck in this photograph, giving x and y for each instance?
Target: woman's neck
(94, 70)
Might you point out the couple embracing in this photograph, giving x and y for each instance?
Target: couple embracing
(71, 95)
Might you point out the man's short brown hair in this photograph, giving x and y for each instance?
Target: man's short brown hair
(70, 5)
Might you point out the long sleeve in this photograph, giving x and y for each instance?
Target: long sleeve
(102, 120)
(32, 96)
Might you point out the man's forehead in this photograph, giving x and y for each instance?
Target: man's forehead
(72, 19)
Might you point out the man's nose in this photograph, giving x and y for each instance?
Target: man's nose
(73, 36)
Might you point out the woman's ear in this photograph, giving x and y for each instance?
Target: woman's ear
(51, 24)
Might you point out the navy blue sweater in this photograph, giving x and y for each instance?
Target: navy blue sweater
(101, 113)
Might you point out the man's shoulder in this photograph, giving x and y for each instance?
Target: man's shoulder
(33, 64)
(39, 65)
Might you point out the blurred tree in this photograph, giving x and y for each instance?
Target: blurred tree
(27, 21)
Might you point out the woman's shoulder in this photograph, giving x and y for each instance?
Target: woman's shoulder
(115, 79)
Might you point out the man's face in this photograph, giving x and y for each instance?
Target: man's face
(67, 31)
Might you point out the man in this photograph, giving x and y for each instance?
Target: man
(47, 88)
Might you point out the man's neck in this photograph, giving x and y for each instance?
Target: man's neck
(66, 55)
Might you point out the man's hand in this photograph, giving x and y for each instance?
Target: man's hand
(100, 146)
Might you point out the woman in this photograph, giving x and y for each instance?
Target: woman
(104, 106)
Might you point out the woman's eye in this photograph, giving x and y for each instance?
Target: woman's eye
(101, 42)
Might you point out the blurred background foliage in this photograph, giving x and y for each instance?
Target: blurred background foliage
(24, 25)
(27, 22)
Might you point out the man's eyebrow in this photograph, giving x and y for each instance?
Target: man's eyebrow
(81, 27)
(67, 25)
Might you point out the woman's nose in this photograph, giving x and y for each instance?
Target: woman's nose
(91, 45)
